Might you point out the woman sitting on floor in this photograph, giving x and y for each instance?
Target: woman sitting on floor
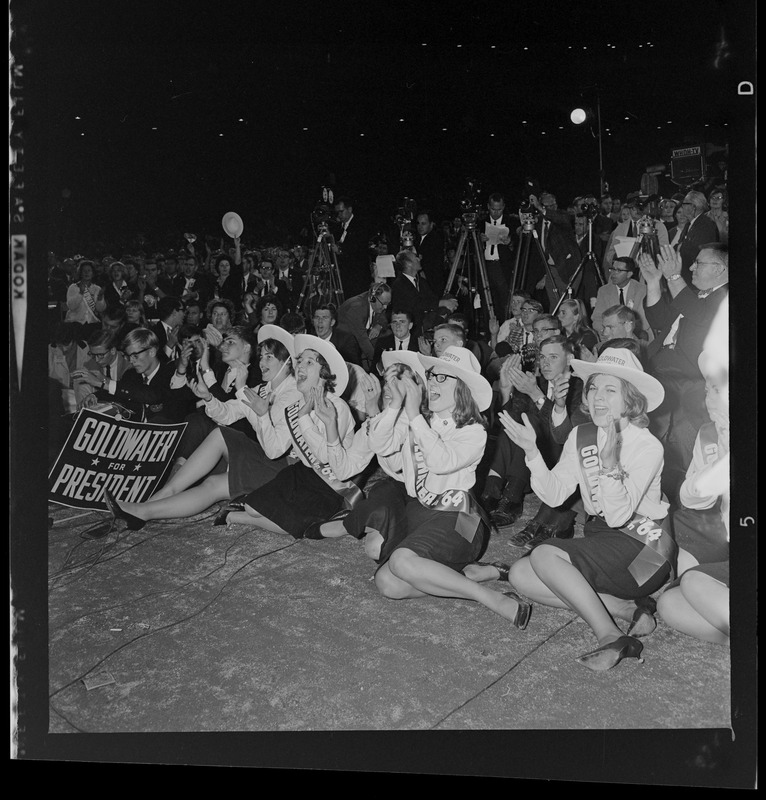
(250, 463)
(440, 450)
(308, 490)
(627, 553)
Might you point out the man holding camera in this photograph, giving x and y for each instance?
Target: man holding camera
(498, 251)
(351, 240)
(630, 228)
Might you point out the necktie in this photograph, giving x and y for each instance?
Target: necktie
(108, 372)
(630, 228)
(684, 234)
(145, 378)
(546, 223)
(622, 298)
(400, 344)
(417, 284)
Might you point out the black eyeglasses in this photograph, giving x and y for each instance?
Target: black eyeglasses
(527, 308)
(439, 377)
(98, 355)
(134, 356)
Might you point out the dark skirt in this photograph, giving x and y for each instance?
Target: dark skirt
(701, 533)
(383, 510)
(431, 534)
(719, 571)
(249, 467)
(296, 498)
(603, 557)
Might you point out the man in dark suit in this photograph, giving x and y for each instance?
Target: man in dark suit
(429, 245)
(400, 337)
(681, 319)
(410, 291)
(145, 388)
(498, 257)
(551, 402)
(699, 230)
(325, 327)
(171, 281)
(364, 316)
(559, 245)
(171, 311)
(351, 248)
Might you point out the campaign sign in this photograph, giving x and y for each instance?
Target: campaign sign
(101, 452)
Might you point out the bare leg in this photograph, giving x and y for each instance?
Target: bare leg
(479, 573)
(425, 576)
(373, 543)
(186, 504)
(333, 530)
(557, 572)
(197, 466)
(251, 517)
(699, 607)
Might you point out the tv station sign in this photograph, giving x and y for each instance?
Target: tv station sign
(687, 165)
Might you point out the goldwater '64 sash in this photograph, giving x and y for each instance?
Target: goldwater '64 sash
(349, 491)
(659, 546)
(470, 514)
(709, 442)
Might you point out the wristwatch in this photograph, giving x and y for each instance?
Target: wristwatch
(540, 402)
(674, 277)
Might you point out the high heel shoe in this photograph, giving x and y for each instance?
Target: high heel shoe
(610, 655)
(133, 523)
(523, 613)
(503, 569)
(643, 622)
(223, 514)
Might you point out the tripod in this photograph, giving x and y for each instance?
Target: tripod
(472, 269)
(647, 241)
(588, 259)
(528, 235)
(322, 283)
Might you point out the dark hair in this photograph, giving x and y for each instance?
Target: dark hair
(496, 197)
(623, 344)
(548, 318)
(345, 199)
(187, 331)
(247, 334)
(65, 333)
(219, 259)
(293, 322)
(278, 350)
(102, 338)
(635, 402)
(167, 305)
(268, 299)
(405, 311)
(628, 261)
(426, 212)
(114, 314)
(331, 307)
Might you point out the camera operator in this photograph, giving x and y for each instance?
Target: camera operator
(351, 241)
(559, 244)
(429, 245)
(630, 228)
(498, 256)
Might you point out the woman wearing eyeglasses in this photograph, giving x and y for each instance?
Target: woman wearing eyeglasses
(440, 450)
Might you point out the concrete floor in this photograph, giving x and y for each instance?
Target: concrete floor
(199, 628)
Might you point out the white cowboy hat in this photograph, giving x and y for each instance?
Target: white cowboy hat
(462, 363)
(408, 357)
(623, 364)
(328, 351)
(280, 334)
(232, 224)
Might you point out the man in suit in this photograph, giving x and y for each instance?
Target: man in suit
(681, 318)
(559, 246)
(145, 387)
(551, 402)
(400, 337)
(410, 291)
(629, 228)
(699, 230)
(498, 252)
(104, 362)
(325, 320)
(196, 284)
(351, 248)
(171, 311)
(364, 317)
(622, 289)
(429, 245)
(171, 281)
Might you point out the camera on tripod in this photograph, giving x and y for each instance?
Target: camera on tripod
(589, 210)
(646, 226)
(471, 204)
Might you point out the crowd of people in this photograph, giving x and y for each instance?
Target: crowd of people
(418, 411)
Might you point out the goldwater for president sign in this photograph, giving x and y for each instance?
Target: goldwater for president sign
(101, 452)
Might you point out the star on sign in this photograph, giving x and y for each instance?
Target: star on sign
(96, 461)
(136, 468)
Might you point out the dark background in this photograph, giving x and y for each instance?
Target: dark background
(189, 110)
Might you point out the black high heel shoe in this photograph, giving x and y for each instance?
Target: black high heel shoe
(523, 613)
(503, 569)
(235, 505)
(133, 523)
(643, 622)
(610, 655)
